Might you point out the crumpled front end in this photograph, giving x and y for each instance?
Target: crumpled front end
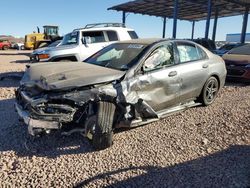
(46, 111)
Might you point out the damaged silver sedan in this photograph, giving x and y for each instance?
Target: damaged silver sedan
(126, 84)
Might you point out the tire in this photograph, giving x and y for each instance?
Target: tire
(103, 133)
(5, 47)
(209, 91)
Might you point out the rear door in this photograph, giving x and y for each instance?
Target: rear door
(193, 69)
(159, 83)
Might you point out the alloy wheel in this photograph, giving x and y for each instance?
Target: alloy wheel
(211, 90)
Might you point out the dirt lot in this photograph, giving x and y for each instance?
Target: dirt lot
(201, 147)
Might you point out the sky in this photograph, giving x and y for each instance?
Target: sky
(20, 17)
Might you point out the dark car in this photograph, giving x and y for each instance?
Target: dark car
(126, 84)
(226, 48)
(238, 63)
(207, 43)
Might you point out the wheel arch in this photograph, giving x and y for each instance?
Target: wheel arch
(217, 77)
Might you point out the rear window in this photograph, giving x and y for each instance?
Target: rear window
(133, 35)
(189, 52)
(242, 50)
(112, 35)
(201, 52)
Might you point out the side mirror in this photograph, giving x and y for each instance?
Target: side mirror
(86, 40)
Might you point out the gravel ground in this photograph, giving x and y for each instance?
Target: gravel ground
(201, 147)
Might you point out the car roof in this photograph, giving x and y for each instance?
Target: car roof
(103, 29)
(145, 41)
(148, 41)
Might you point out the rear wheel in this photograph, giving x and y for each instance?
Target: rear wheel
(209, 91)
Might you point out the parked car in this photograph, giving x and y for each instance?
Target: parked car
(226, 48)
(207, 43)
(34, 56)
(84, 42)
(19, 46)
(238, 63)
(126, 84)
(5, 44)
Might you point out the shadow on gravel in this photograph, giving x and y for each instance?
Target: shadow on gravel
(18, 53)
(14, 137)
(237, 83)
(227, 168)
(21, 61)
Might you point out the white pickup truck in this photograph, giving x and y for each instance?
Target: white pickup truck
(84, 42)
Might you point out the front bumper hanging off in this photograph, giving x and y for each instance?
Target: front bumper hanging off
(34, 123)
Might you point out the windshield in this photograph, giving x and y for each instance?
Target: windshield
(228, 47)
(54, 44)
(70, 38)
(117, 56)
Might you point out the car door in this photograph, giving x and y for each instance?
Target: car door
(158, 83)
(92, 41)
(193, 70)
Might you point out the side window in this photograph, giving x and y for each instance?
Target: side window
(160, 57)
(188, 52)
(201, 52)
(133, 35)
(112, 36)
(95, 36)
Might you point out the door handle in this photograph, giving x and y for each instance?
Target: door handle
(172, 74)
(205, 66)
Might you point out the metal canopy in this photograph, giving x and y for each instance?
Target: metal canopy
(192, 10)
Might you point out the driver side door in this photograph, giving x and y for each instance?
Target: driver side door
(159, 83)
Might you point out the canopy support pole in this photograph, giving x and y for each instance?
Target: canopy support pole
(164, 27)
(209, 11)
(176, 3)
(193, 25)
(244, 26)
(124, 17)
(215, 24)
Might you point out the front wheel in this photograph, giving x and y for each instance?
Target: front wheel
(209, 91)
(99, 128)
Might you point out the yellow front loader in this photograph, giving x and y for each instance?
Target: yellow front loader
(37, 39)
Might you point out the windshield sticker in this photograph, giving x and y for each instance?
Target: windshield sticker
(135, 46)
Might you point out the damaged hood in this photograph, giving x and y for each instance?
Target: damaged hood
(65, 75)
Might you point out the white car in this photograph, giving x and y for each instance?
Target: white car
(84, 42)
(19, 46)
